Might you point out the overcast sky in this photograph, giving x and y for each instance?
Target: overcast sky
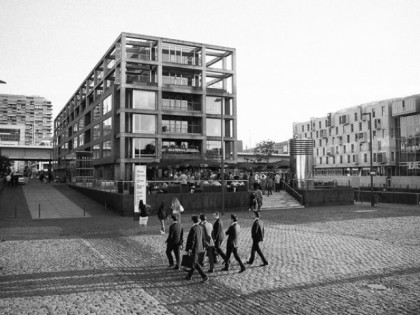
(295, 59)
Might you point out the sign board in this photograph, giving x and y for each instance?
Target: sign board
(139, 185)
(372, 173)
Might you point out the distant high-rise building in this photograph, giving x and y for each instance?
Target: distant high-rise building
(25, 120)
(150, 99)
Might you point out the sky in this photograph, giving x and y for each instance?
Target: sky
(296, 59)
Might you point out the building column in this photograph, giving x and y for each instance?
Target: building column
(122, 148)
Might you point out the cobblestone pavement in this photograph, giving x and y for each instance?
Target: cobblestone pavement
(325, 260)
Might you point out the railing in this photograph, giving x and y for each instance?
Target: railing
(292, 192)
(163, 186)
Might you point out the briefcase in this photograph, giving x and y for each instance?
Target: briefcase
(187, 261)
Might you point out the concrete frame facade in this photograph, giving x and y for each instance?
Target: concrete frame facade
(146, 89)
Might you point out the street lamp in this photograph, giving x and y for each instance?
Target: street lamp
(372, 200)
(222, 154)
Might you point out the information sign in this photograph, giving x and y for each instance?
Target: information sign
(139, 185)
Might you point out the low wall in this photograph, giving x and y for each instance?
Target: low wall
(388, 197)
(326, 197)
(403, 182)
(197, 202)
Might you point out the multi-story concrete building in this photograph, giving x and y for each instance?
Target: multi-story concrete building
(25, 120)
(149, 99)
(341, 139)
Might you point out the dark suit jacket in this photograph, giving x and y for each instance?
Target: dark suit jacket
(195, 240)
(218, 234)
(257, 231)
(233, 235)
(176, 235)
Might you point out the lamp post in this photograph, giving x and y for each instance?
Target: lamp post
(372, 200)
(222, 154)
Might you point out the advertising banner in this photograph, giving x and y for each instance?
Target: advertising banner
(139, 185)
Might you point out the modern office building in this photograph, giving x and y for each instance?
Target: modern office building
(342, 139)
(148, 100)
(25, 120)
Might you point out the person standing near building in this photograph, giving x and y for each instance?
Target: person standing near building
(161, 214)
(218, 235)
(174, 242)
(269, 185)
(144, 215)
(263, 183)
(177, 208)
(277, 182)
(259, 197)
(257, 235)
(232, 244)
(208, 242)
(194, 247)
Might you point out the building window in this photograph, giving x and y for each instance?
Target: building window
(351, 127)
(96, 112)
(107, 126)
(319, 123)
(345, 149)
(392, 156)
(392, 133)
(373, 134)
(213, 148)
(74, 127)
(143, 147)
(348, 138)
(320, 142)
(373, 113)
(214, 106)
(341, 159)
(106, 148)
(303, 128)
(317, 151)
(307, 127)
(348, 158)
(75, 143)
(317, 134)
(326, 160)
(213, 127)
(354, 158)
(144, 99)
(360, 126)
(96, 132)
(144, 123)
(374, 157)
(383, 110)
(365, 157)
(323, 151)
(320, 160)
(107, 105)
(355, 116)
(96, 150)
(352, 148)
(81, 139)
(81, 124)
(379, 146)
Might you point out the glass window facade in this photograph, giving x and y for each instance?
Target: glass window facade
(143, 147)
(144, 99)
(107, 126)
(144, 123)
(107, 105)
(214, 105)
(106, 148)
(213, 127)
(96, 132)
(96, 112)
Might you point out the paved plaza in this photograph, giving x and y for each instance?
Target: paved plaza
(323, 260)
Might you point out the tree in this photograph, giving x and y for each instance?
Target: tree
(264, 150)
(5, 164)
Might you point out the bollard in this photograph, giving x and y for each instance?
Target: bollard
(39, 210)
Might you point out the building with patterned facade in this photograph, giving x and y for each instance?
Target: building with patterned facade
(341, 139)
(25, 120)
(148, 100)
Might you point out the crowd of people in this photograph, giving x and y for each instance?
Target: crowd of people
(204, 240)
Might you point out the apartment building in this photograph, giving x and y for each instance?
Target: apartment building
(148, 100)
(25, 120)
(341, 139)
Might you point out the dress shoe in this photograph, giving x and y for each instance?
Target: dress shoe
(188, 278)
(176, 267)
(205, 279)
(225, 269)
(210, 271)
(170, 266)
(264, 264)
(249, 263)
(242, 270)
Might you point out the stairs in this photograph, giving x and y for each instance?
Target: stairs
(280, 200)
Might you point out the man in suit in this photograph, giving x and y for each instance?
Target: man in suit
(232, 244)
(218, 236)
(208, 242)
(195, 246)
(174, 242)
(257, 234)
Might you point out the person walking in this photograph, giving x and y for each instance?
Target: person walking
(218, 235)
(259, 197)
(263, 183)
(194, 247)
(174, 242)
(8, 179)
(144, 215)
(277, 182)
(269, 186)
(208, 242)
(232, 244)
(177, 208)
(161, 214)
(253, 201)
(257, 235)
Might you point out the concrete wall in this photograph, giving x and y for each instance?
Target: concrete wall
(192, 203)
(327, 197)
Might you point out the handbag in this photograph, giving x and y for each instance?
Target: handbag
(181, 208)
(187, 261)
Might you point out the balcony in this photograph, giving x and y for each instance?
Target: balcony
(362, 136)
(377, 123)
(381, 158)
(344, 119)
